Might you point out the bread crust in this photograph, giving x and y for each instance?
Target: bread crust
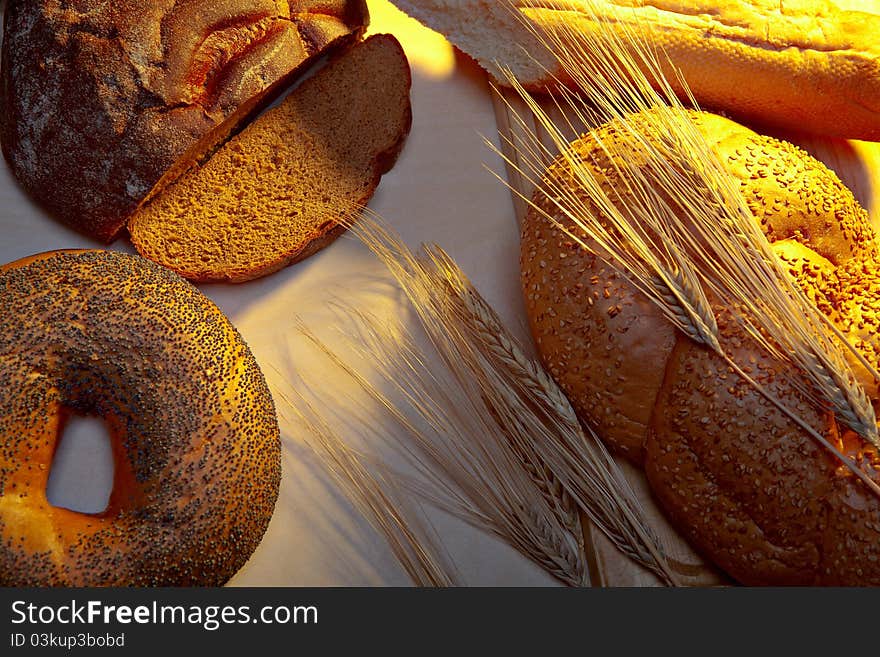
(192, 425)
(104, 103)
(799, 64)
(742, 482)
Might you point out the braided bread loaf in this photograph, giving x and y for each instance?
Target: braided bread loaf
(747, 486)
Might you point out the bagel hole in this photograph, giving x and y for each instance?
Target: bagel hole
(81, 476)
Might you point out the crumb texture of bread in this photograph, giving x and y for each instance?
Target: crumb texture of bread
(104, 102)
(746, 485)
(192, 425)
(272, 194)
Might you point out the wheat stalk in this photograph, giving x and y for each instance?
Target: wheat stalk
(586, 469)
(666, 172)
(540, 425)
(378, 497)
(460, 451)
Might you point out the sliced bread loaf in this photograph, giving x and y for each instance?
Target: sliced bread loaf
(810, 65)
(103, 103)
(272, 194)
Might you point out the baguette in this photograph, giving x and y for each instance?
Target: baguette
(103, 103)
(803, 64)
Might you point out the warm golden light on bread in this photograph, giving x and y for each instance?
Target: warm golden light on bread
(429, 53)
(744, 483)
(105, 103)
(809, 65)
(194, 436)
(272, 195)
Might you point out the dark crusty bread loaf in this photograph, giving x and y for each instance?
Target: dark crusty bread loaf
(748, 487)
(271, 195)
(103, 102)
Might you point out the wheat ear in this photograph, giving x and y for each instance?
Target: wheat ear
(721, 243)
(585, 468)
(553, 436)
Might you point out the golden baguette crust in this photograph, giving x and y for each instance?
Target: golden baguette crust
(741, 481)
(273, 194)
(799, 64)
(103, 102)
(195, 439)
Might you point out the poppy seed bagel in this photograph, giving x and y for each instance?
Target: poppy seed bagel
(747, 486)
(192, 425)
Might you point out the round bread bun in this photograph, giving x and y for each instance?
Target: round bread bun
(103, 103)
(192, 425)
(748, 487)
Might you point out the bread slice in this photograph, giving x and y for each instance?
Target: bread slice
(272, 194)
